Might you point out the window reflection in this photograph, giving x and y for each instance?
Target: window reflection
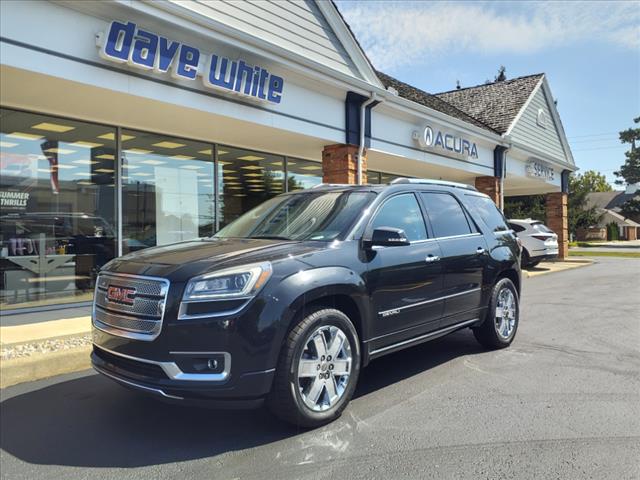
(246, 178)
(168, 190)
(303, 174)
(57, 202)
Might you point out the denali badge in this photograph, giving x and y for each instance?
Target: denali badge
(121, 295)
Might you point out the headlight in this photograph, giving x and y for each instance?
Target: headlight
(243, 281)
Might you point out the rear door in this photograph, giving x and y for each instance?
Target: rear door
(404, 282)
(464, 256)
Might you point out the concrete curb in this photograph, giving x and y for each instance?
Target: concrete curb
(555, 267)
(44, 365)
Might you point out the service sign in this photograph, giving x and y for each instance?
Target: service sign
(126, 43)
(441, 141)
(540, 170)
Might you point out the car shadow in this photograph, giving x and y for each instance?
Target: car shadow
(91, 422)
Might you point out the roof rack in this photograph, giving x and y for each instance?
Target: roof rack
(427, 181)
(320, 185)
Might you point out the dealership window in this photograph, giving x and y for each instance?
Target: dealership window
(57, 206)
(246, 178)
(376, 178)
(303, 174)
(167, 190)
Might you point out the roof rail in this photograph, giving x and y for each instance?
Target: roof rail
(319, 185)
(427, 181)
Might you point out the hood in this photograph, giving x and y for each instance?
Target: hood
(206, 254)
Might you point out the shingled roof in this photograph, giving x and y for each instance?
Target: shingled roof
(428, 100)
(494, 104)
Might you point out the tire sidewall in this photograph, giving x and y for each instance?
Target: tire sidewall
(503, 283)
(325, 316)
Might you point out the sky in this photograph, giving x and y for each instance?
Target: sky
(590, 52)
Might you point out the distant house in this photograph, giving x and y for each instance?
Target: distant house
(609, 205)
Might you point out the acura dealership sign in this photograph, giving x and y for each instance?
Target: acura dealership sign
(435, 139)
(126, 43)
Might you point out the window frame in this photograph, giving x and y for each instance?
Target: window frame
(368, 231)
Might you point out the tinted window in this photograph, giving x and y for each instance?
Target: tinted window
(402, 212)
(516, 228)
(488, 211)
(446, 215)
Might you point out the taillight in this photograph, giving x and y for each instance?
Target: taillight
(541, 237)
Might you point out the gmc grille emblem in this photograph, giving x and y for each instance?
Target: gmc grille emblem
(121, 295)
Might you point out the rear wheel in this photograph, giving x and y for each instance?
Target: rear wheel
(317, 371)
(499, 327)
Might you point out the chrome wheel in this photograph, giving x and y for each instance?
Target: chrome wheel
(506, 311)
(324, 368)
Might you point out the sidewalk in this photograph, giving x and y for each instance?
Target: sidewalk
(40, 350)
(556, 266)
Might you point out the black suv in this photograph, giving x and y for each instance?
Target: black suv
(287, 303)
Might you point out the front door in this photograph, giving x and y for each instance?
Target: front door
(464, 257)
(405, 282)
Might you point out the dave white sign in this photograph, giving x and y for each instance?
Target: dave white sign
(435, 139)
(126, 43)
(540, 170)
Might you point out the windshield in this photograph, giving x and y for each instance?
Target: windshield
(302, 216)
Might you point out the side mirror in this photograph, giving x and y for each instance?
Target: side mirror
(387, 237)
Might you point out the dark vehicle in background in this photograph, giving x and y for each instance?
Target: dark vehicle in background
(290, 301)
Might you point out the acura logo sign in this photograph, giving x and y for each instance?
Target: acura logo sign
(121, 295)
(432, 139)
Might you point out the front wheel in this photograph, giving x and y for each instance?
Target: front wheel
(317, 371)
(503, 315)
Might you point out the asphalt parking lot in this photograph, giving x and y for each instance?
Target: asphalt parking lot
(562, 402)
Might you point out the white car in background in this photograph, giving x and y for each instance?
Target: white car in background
(538, 241)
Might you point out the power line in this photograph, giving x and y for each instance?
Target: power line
(598, 148)
(593, 135)
(592, 140)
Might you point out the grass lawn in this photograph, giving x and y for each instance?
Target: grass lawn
(573, 253)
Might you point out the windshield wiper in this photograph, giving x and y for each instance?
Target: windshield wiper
(270, 237)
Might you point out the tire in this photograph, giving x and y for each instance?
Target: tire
(533, 264)
(525, 259)
(492, 332)
(300, 368)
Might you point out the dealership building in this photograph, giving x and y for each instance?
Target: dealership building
(129, 124)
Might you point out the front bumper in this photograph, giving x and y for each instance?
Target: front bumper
(166, 381)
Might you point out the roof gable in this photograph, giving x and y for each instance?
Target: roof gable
(495, 104)
(538, 127)
(313, 31)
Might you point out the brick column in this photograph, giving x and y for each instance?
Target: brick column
(340, 164)
(556, 207)
(489, 186)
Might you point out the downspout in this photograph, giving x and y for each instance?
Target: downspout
(363, 110)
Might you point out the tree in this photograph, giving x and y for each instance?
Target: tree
(580, 185)
(629, 172)
(631, 209)
(530, 206)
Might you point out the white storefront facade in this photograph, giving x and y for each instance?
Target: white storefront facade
(128, 124)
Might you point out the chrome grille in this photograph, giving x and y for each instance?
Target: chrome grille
(138, 316)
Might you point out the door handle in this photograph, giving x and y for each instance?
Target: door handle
(480, 250)
(432, 258)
